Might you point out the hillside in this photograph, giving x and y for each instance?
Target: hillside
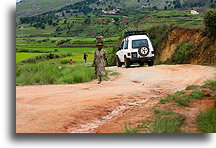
(35, 7)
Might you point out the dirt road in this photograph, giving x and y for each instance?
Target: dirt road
(89, 107)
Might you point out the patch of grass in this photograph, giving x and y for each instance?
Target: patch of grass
(207, 121)
(181, 98)
(23, 56)
(42, 73)
(214, 98)
(167, 125)
(171, 97)
(162, 124)
(196, 96)
(162, 112)
(191, 87)
(131, 130)
(185, 100)
(214, 64)
(42, 57)
(182, 102)
(211, 84)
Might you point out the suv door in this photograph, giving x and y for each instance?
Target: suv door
(121, 52)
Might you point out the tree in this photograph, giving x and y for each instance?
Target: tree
(155, 8)
(210, 21)
(87, 20)
(177, 4)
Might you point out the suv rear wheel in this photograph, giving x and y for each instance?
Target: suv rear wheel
(150, 63)
(118, 63)
(127, 62)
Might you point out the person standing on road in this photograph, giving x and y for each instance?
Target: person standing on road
(99, 61)
(85, 56)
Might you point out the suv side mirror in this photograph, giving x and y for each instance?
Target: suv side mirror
(119, 48)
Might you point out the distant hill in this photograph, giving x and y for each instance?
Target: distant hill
(35, 7)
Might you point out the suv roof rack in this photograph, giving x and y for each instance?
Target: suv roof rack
(134, 32)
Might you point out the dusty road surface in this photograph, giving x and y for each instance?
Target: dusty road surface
(106, 108)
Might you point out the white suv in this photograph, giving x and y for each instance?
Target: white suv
(136, 47)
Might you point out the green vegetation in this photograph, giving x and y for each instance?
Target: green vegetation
(167, 124)
(171, 97)
(192, 87)
(182, 99)
(211, 84)
(128, 129)
(41, 57)
(184, 52)
(22, 56)
(210, 21)
(162, 112)
(98, 23)
(206, 121)
(41, 73)
(44, 5)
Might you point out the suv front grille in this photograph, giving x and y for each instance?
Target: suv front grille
(134, 55)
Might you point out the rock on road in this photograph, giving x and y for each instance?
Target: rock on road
(85, 107)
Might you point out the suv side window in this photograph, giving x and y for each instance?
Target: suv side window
(126, 45)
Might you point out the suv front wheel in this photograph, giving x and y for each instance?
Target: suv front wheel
(118, 63)
(127, 62)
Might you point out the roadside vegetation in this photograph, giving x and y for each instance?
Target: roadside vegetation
(168, 119)
(206, 121)
(41, 73)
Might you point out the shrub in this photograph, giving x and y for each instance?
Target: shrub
(184, 52)
(111, 55)
(210, 21)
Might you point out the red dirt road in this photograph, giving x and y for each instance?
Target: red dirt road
(88, 107)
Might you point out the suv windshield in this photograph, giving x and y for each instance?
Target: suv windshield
(138, 43)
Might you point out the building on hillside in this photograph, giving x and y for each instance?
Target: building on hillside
(111, 11)
(100, 20)
(112, 21)
(193, 12)
(124, 18)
